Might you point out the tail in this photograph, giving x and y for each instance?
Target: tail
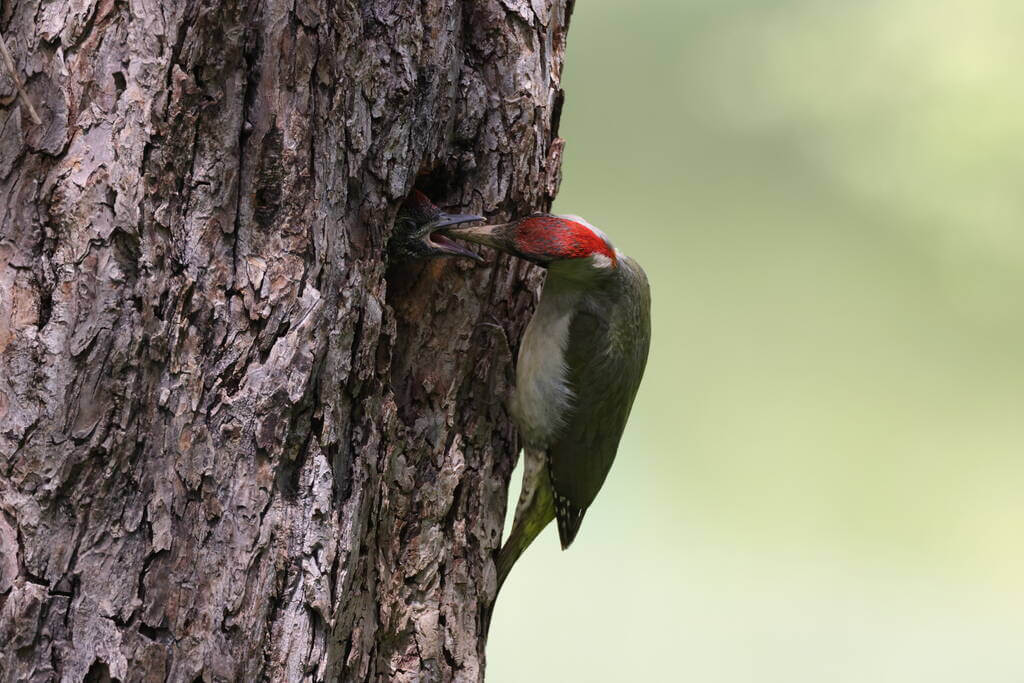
(535, 510)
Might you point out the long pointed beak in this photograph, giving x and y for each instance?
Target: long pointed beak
(488, 235)
(449, 219)
(440, 242)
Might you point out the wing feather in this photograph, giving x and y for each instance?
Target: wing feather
(605, 358)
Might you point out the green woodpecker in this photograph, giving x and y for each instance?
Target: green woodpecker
(579, 368)
(417, 232)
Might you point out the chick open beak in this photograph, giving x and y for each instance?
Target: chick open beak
(440, 242)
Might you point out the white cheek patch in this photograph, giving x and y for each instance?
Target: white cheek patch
(601, 261)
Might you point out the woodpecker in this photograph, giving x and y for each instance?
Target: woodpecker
(579, 368)
(417, 229)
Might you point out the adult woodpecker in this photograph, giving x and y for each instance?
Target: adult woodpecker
(579, 368)
(417, 229)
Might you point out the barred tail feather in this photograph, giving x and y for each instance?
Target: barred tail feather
(535, 510)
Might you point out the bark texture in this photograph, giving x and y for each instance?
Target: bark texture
(236, 443)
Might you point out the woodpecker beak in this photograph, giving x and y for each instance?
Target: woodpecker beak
(488, 235)
(439, 242)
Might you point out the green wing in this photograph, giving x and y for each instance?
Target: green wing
(605, 356)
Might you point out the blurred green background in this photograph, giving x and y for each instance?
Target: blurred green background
(823, 476)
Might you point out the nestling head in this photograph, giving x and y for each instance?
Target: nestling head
(418, 208)
(546, 240)
(418, 230)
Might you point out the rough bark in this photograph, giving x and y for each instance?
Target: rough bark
(236, 443)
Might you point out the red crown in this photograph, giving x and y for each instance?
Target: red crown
(560, 238)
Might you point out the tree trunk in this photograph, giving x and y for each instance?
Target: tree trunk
(236, 443)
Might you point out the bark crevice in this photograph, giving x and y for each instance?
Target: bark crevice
(238, 443)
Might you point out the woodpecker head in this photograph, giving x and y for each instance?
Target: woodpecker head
(417, 230)
(561, 242)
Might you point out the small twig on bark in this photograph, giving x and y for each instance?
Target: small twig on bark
(17, 82)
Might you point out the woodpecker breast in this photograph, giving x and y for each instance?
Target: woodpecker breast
(543, 397)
